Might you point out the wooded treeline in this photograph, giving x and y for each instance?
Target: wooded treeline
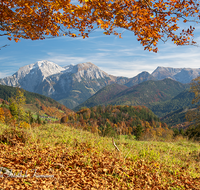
(136, 121)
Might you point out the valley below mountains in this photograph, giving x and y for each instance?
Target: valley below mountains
(85, 85)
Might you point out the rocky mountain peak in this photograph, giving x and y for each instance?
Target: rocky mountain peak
(30, 76)
(165, 72)
(85, 66)
(141, 77)
(89, 71)
(47, 68)
(183, 75)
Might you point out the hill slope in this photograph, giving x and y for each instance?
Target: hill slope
(148, 92)
(175, 117)
(115, 120)
(103, 95)
(77, 159)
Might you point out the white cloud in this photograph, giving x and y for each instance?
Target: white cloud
(107, 61)
(117, 60)
(64, 59)
(122, 72)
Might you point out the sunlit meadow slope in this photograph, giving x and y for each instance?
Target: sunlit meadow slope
(58, 156)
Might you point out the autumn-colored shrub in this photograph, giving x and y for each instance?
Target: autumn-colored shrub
(2, 117)
(178, 138)
(13, 136)
(33, 125)
(7, 115)
(64, 119)
(158, 134)
(23, 124)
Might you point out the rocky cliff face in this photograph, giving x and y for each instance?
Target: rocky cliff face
(186, 75)
(89, 71)
(183, 75)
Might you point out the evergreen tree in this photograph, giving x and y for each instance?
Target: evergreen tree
(109, 131)
(3, 105)
(30, 117)
(38, 119)
(138, 132)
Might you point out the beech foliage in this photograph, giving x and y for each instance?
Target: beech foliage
(149, 20)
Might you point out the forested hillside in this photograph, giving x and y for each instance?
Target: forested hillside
(175, 117)
(34, 103)
(7, 92)
(148, 92)
(103, 96)
(181, 101)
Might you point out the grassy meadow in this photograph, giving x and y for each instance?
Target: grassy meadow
(57, 156)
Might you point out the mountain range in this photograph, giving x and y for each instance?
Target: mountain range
(70, 85)
(73, 84)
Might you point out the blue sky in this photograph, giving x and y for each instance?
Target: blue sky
(119, 57)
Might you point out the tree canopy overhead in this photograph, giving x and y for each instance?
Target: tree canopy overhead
(150, 20)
